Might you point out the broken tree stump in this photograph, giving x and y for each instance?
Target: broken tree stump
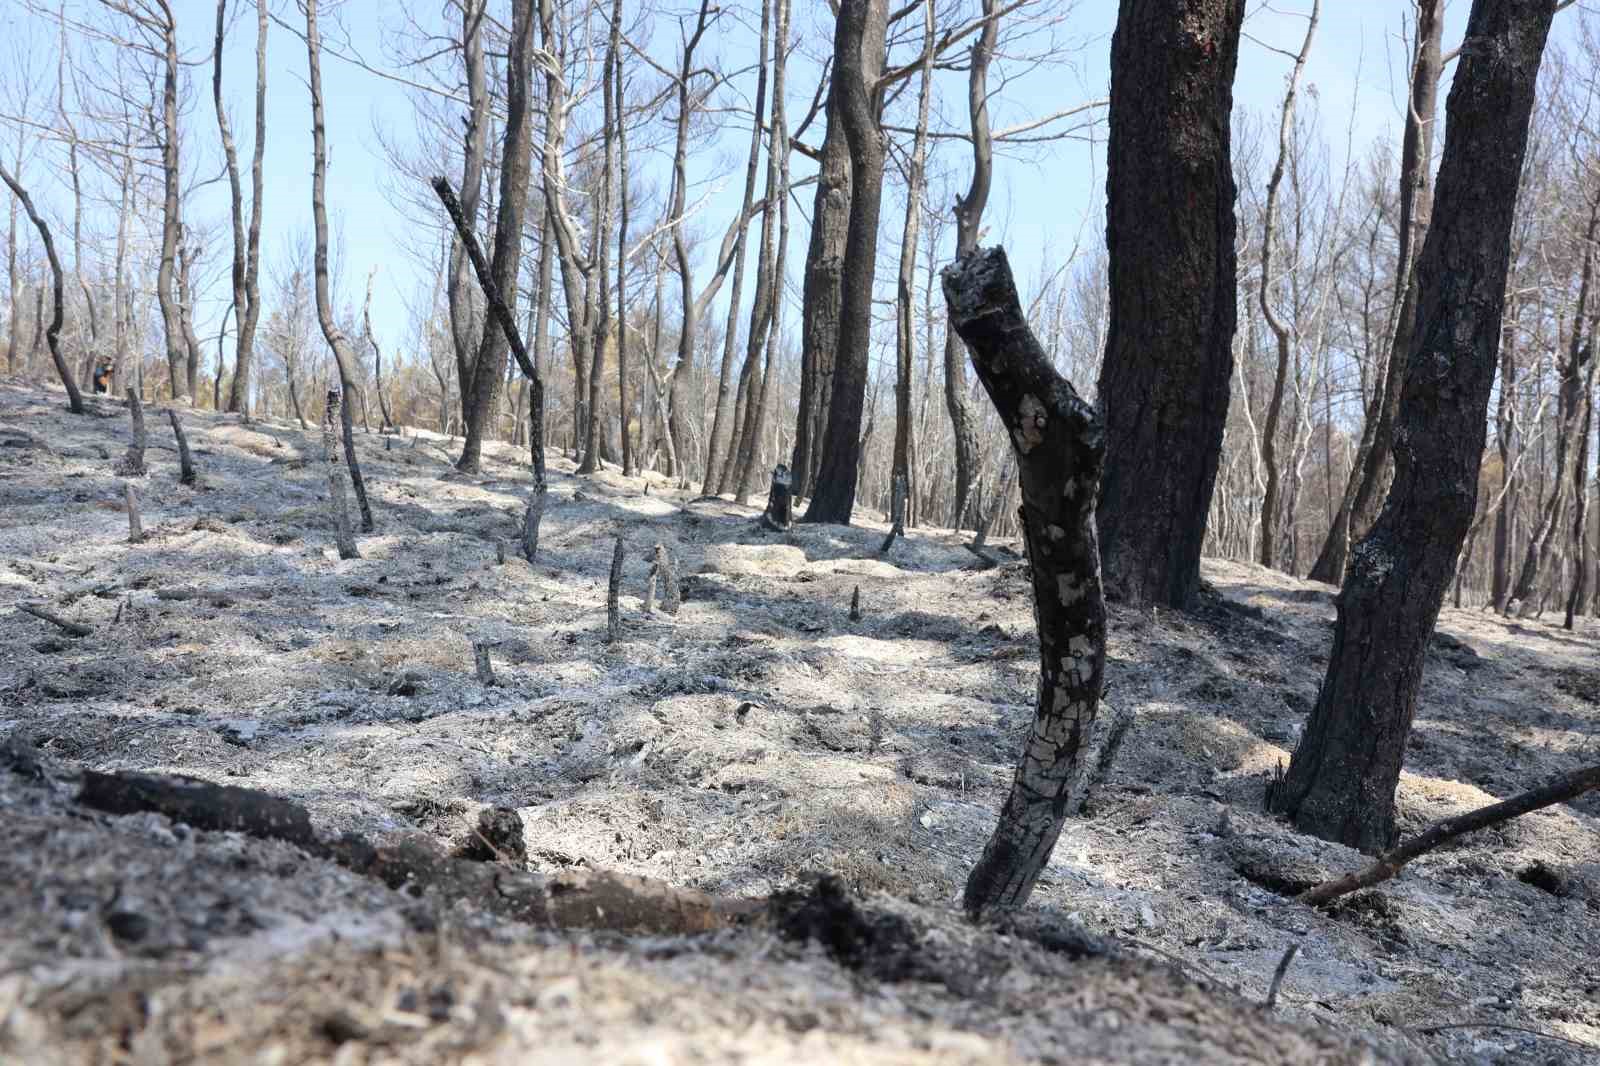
(613, 595)
(135, 527)
(185, 460)
(1059, 445)
(779, 515)
(132, 464)
(671, 594)
(650, 580)
(855, 605)
(330, 456)
(481, 663)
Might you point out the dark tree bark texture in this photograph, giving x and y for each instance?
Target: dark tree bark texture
(1059, 442)
(1342, 779)
(1170, 234)
(858, 62)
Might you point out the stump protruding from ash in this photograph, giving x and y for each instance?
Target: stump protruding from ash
(186, 474)
(779, 515)
(135, 527)
(330, 455)
(666, 574)
(481, 663)
(855, 605)
(614, 594)
(132, 464)
(532, 517)
(897, 514)
(497, 836)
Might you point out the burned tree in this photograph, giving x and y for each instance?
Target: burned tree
(1059, 443)
(1170, 235)
(53, 332)
(246, 273)
(858, 45)
(1342, 779)
(342, 355)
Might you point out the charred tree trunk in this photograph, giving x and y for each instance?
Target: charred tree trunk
(246, 243)
(969, 218)
(171, 220)
(1505, 441)
(722, 419)
(905, 281)
(1341, 781)
(682, 386)
(858, 45)
(1416, 207)
(57, 299)
(628, 469)
(1582, 553)
(1169, 347)
(342, 354)
(1569, 420)
(1281, 332)
(475, 347)
(1059, 443)
(820, 296)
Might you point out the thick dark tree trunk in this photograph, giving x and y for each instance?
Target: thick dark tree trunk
(1341, 782)
(1169, 347)
(1060, 449)
(858, 44)
(820, 296)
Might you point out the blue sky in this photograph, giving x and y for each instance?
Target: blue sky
(1043, 203)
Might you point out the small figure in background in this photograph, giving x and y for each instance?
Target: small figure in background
(102, 376)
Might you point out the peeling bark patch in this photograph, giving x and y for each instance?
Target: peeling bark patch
(1030, 425)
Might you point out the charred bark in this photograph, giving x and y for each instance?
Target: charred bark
(858, 53)
(1341, 781)
(57, 297)
(1169, 347)
(1060, 443)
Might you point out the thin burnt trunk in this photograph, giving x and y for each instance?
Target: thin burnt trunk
(1582, 553)
(245, 274)
(1569, 419)
(342, 355)
(1416, 208)
(475, 347)
(969, 219)
(57, 297)
(1173, 291)
(682, 385)
(1059, 443)
(1282, 334)
(171, 220)
(622, 245)
(1341, 781)
(723, 423)
(905, 281)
